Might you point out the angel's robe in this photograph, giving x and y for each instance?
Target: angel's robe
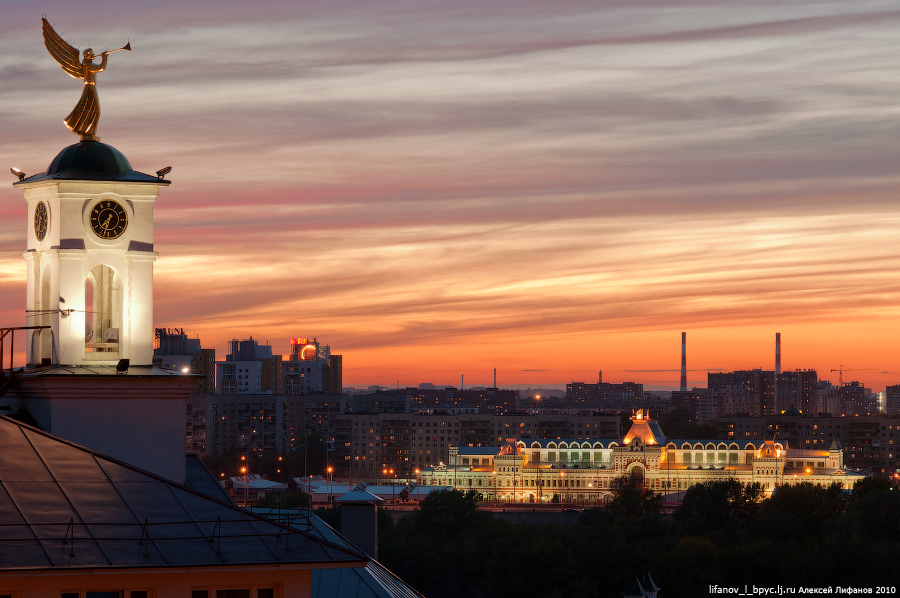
(84, 117)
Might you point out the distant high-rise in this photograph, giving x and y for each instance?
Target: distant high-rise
(892, 400)
(683, 361)
(311, 368)
(581, 393)
(777, 352)
(778, 400)
(250, 368)
(743, 391)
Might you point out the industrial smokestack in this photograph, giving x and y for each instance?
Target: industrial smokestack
(600, 377)
(495, 377)
(777, 353)
(684, 361)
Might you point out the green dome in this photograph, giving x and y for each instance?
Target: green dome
(90, 156)
(92, 161)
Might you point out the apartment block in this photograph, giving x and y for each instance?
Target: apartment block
(870, 443)
(406, 442)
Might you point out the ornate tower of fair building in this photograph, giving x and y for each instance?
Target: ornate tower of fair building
(90, 258)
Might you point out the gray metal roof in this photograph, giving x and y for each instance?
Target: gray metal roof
(199, 478)
(657, 432)
(371, 581)
(63, 506)
(359, 496)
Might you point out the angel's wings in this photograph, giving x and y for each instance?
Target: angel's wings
(65, 55)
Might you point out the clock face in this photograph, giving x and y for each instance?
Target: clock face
(41, 221)
(108, 219)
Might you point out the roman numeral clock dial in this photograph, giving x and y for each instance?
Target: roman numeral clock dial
(41, 221)
(108, 219)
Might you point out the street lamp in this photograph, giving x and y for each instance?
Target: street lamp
(330, 471)
(243, 470)
(385, 471)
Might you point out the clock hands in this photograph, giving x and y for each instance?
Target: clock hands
(108, 219)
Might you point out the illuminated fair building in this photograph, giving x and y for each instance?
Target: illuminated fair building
(534, 470)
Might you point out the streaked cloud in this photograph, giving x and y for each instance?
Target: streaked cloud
(437, 188)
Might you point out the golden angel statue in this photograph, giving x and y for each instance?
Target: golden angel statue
(84, 117)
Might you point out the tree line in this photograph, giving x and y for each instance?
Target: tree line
(723, 533)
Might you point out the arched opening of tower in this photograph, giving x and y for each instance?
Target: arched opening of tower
(103, 311)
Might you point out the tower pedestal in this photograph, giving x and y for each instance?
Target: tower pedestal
(137, 417)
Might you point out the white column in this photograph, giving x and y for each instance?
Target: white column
(140, 304)
(32, 302)
(68, 330)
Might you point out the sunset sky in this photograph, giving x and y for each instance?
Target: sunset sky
(437, 188)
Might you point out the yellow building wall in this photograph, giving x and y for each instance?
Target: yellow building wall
(288, 581)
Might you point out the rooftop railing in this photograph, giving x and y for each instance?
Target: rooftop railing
(8, 374)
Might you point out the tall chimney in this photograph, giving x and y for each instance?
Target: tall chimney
(684, 361)
(600, 377)
(777, 353)
(495, 377)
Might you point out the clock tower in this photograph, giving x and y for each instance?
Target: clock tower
(90, 259)
(89, 256)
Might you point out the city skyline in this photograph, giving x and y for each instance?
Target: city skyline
(436, 191)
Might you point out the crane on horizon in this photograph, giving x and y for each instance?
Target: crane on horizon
(841, 369)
